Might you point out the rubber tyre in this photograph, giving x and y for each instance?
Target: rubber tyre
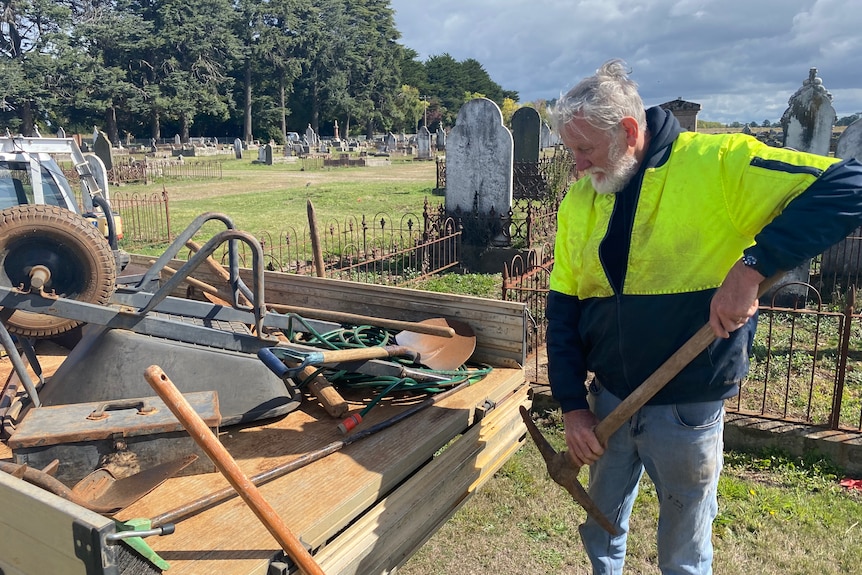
(80, 259)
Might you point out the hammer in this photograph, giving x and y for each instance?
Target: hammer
(560, 466)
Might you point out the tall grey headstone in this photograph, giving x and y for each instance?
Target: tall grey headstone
(310, 137)
(267, 154)
(61, 133)
(177, 140)
(844, 259)
(808, 120)
(237, 149)
(807, 123)
(545, 136)
(479, 161)
(850, 142)
(102, 148)
(525, 133)
(423, 144)
(441, 138)
(391, 142)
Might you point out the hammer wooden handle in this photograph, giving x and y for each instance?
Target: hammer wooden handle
(666, 372)
(326, 394)
(222, 459)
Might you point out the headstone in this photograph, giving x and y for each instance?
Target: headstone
(336, 137)
(808, 120)
(807, 125)
(441, 138)
(391, 142)
(423, 144)
(545, 136)
(61, 133)
(525, 133)
(153, 147)
(177, 140)
(310, 137)
(850, 142)
(237, 148)
(267, 154)
(479, 162)
(102, 148)
(844, 259)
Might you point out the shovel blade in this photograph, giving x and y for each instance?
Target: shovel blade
(438, 352)
(100, 489)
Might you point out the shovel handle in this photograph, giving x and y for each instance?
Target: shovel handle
(666, 372)
(222, 459)
(272, 357)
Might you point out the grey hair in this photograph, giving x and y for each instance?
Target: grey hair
(602, 99)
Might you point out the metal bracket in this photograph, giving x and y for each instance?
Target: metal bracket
(89, 544)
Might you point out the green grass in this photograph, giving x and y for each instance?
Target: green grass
(778, 514)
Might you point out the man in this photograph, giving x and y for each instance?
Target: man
(666, 231)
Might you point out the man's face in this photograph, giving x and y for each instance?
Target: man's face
(605, 156)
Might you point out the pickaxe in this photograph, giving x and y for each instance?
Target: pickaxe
(561, 468)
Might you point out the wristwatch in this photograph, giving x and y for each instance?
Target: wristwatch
(749, 260)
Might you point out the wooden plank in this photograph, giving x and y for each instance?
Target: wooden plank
(37, 530)
(397, 525)
(500, 326)
(316, 501)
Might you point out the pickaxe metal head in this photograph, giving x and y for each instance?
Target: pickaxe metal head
(564, 472)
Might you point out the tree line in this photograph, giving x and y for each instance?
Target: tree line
(254, 69)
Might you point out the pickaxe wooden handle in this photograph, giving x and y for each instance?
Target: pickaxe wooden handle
(560, 466)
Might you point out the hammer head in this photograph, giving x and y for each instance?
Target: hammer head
(565, 473)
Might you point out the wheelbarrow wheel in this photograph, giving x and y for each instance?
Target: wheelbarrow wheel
(78, 258)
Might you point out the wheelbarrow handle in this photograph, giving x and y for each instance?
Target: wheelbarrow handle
(272, 357)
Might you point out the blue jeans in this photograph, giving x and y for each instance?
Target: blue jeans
(680, 446)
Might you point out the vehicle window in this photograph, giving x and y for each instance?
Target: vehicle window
(51, 185)
(15, 186)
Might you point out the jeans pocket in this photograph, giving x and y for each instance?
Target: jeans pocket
(699, 415)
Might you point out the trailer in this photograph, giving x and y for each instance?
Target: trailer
(358, 504)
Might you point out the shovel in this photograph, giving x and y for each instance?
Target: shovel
(436, 352)
(100, 491)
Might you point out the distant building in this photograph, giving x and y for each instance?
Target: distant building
(685, 113)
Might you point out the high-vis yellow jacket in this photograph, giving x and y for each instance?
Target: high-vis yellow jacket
(634, 271)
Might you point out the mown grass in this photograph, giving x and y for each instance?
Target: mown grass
(778, 514)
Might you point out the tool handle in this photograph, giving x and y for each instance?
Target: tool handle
(220, 456)
(360, 353)
(326, 394)
(666, 372)
(272, 362)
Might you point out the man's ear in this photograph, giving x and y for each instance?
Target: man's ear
(630, 125)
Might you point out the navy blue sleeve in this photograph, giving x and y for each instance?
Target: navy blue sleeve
(566, 356)
(827, 212)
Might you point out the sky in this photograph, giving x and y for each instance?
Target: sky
(741, 60)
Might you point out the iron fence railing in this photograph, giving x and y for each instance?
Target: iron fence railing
(381, 250)
(806, 364)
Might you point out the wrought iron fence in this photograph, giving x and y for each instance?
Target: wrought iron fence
(806, 364)
(146, 218)
(381, 250)
(128, 170)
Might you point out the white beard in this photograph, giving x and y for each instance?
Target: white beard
(621, 168)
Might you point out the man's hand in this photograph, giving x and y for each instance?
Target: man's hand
(735, 301)
(583, 445)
